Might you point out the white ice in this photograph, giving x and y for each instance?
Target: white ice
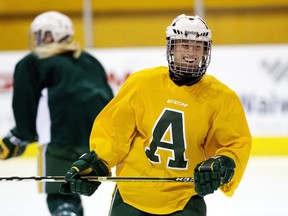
(262, 192)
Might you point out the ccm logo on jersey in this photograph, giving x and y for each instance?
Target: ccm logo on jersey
(179, 103)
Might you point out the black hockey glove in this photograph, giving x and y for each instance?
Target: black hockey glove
(209, 175)
(12, 146)
(87, 165)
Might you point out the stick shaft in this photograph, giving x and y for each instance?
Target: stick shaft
(97, 178)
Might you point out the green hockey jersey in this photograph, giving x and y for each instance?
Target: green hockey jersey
(77, 90)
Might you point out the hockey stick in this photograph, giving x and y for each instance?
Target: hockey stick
(98, 178)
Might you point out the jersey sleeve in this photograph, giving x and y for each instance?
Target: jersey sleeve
(26, 96)
(229, 135)
(115, 126)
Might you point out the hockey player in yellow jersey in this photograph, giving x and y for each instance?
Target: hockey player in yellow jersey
(169, 122)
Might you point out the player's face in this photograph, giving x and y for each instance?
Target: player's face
(188, 53)
(48, 38)
(38, 40)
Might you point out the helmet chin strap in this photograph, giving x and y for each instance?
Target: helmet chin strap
(182, 80)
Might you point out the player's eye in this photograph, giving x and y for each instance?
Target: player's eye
(186, 46)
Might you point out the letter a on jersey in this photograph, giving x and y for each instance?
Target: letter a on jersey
(168, 135)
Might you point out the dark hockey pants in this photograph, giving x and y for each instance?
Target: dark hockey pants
(196, 206)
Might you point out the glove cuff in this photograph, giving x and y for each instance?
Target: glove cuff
(99, 168)
(227, 168)
(12, 139)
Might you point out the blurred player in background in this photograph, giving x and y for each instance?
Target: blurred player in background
(59, 89)
(173, 121)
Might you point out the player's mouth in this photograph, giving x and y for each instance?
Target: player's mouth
(189, 60)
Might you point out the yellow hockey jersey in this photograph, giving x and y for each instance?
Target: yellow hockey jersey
(156, 128)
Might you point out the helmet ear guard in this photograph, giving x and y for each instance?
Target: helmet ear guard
(192, 31)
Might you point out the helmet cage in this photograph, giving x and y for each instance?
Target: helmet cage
(183, 69)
